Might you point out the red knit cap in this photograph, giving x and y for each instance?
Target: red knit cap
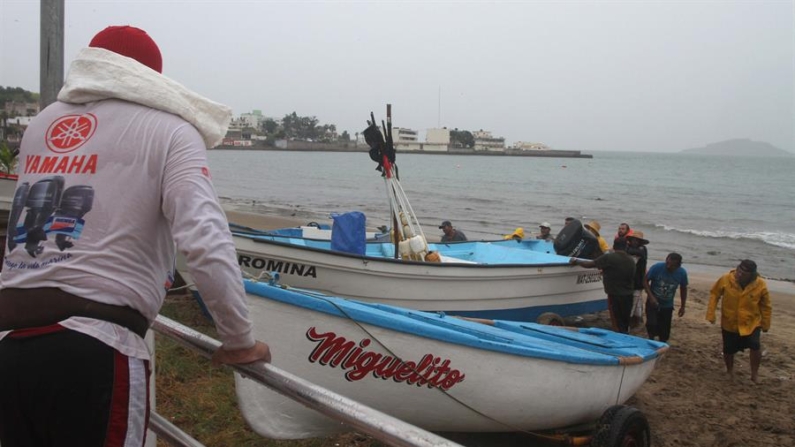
(131, 42)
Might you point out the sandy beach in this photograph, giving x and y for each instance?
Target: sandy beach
(689, 399)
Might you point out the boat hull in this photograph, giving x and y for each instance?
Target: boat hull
(446, 386)
(519, 292)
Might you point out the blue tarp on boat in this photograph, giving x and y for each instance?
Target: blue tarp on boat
(348, 233)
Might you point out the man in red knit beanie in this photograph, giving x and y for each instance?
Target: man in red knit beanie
(131, 42)
(113, 179)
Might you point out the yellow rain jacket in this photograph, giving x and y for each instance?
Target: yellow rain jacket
(743, 310)
(603, 244)
(517, 234)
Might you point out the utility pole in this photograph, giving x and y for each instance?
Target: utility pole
(439, 110)
(51, 50)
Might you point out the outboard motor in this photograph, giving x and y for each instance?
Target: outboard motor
(20, 197)
(587, 247)
(42, 199)
(574, 240)
(75, 203)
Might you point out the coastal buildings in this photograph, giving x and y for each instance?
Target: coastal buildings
(437, 140)
(14, 119)
(253, 119)
(256, 131)
(484, 141)
(249, 129)
(402, 135)
(524, 146)
(407, 140)
(20, 108)
(244, 131)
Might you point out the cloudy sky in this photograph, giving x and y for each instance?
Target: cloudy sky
(590, 75)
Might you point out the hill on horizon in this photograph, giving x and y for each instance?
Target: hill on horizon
(740, 147)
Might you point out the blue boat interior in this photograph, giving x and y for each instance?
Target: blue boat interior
(502, 252)
(297, 232)
(289, 232)
(579, 346)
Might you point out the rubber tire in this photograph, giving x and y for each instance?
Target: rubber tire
(313, 224)
(628, 427)
(609, 414)
(550, 319)
(603, 424)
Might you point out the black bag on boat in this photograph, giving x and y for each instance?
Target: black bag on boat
(374, 139)
(378, 146)
(575, 241)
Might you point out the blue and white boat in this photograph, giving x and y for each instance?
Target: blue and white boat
(436, 371)
(506, 279)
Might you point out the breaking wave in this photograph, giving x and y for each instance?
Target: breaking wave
(778, 239)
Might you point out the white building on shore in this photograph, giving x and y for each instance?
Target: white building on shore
(437, 140)
(253, 119)
(407, 140)
(484, 141)
(525, 146)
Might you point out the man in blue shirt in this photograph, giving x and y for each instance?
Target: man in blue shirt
(662, 280)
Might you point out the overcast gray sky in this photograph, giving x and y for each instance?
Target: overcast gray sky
(589, 75)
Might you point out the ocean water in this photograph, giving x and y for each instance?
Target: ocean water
(713, 210)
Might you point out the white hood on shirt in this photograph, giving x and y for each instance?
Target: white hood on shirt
(98, 74)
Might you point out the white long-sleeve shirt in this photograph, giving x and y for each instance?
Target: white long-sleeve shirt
(147, 171)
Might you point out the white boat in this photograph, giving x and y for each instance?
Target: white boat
(439, 372)
(506, 280)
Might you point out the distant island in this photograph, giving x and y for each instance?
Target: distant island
(740, 147)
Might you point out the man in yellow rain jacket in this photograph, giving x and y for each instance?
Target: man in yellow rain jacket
(745, 312)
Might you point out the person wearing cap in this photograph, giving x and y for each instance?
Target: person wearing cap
(517, 235)
(594, 227)
(745, 312)
(545, 233)
(450, 233)
(637, 249)
(618, 272)
(119, 163)
(661, 282)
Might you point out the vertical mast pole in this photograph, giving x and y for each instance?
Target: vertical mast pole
(51, 57)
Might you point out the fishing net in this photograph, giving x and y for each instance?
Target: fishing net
(407, 234)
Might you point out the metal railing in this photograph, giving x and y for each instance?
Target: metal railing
(170, 432)
(364, 419)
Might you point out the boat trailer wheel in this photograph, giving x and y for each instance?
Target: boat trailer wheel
(622, 426)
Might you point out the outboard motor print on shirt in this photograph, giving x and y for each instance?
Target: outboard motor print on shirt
(50, 210)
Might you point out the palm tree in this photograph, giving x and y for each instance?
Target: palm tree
(8, 159)
(3, 123)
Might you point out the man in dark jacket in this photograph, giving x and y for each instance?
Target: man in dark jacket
(637, 249)
(450, 233)
(618, 270)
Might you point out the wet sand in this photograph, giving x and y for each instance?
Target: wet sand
(689, 400)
